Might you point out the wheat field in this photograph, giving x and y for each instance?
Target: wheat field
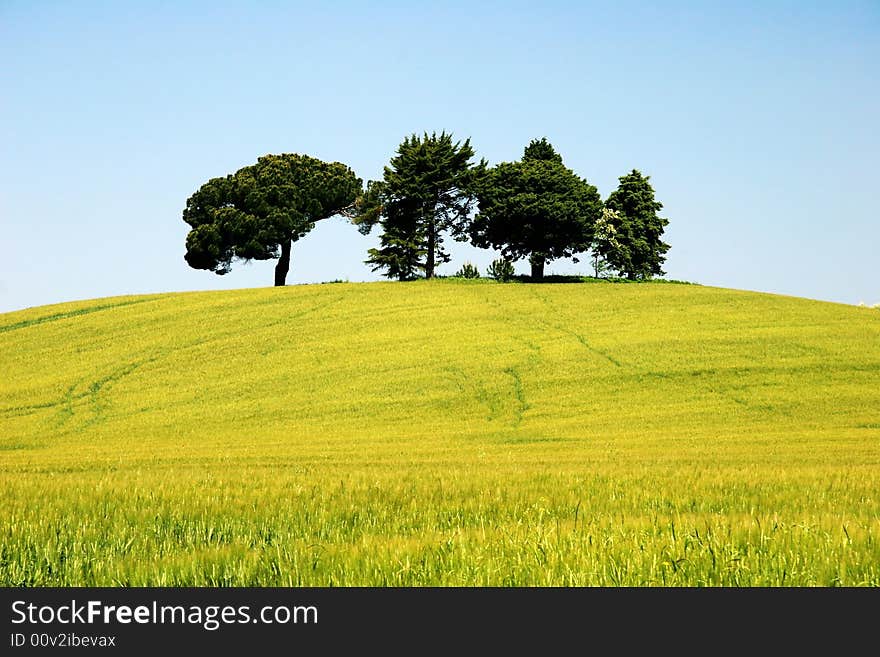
(442, 432)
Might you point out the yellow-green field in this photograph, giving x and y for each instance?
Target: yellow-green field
(441, 433)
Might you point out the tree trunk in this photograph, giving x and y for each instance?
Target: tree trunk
(432, 241)
(537, 263)
(283, 264)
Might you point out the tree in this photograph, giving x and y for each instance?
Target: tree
(501, 270)
(536, 208)
(605, 242)
(468, 270)
(426, 191)
(541, 149)
(638, 228)
(260, 210)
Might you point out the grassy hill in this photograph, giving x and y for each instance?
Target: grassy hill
(441, 433)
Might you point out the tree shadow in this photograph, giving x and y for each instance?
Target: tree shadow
(554, 278)
(573, 278)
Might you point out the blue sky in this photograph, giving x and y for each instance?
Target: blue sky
(757, 123)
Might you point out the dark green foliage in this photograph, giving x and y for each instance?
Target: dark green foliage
(427, 190)
(468, 270)
(255, 213)
(536, 209)
(541, 149)
(501, 270)
(403, 245)
(368, 207)
(638, 252)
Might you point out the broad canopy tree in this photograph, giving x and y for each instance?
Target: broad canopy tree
(426, 192)
(637, 251)
(536, 208)
(260, 210)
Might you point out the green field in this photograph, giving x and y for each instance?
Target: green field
(441, 433)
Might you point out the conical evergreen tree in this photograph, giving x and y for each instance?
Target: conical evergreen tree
(640, 252)
(427, 191)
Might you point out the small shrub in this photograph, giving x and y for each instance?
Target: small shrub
(467, 271)
(501, 270)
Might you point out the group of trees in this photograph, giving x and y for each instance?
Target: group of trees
(535, 208)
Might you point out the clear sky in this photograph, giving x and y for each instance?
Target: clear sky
(757, 122)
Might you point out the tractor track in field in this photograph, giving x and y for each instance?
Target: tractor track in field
(720, 391)
(582, 340)
(93, 393)
(73, 313)
(86, 390)
(522, 406)
(514, 403)
(508, 408)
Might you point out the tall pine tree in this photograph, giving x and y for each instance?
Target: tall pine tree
(639, 252)
(426, 192)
